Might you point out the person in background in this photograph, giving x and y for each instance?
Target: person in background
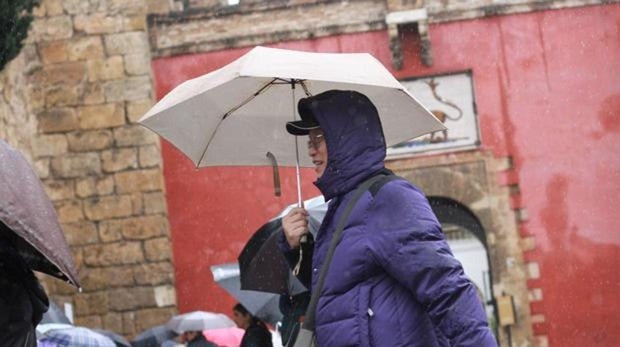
(22, 298)
(256, 332)
(196, 339)
(393, 280)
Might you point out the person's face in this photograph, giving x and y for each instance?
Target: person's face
(317, 150)
(242, 320)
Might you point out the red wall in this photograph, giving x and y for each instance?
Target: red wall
(547, 90)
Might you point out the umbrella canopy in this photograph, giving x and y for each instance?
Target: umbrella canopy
(27, 211)
(43, 328)
(76, 337)
(153, 337)
(118, 340)
(264, 306)
(199, 321)
(262, 264)
(235, 115)
(227, 337)
(54, 315)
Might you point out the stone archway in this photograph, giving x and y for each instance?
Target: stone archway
(468, 241)
(483, 208)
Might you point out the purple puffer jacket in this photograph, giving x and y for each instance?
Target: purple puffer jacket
(393, 280)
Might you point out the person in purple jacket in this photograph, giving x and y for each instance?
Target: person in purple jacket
(393, 280)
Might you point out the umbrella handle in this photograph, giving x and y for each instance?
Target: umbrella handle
(276, 174)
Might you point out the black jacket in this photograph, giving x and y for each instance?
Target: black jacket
(201, 341)
(22, 299)
(257, 335)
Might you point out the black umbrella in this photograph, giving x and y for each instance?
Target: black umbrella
(263, 266)
(26, 210)
(153, 337)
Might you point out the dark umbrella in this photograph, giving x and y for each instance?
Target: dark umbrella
(262, 265)
(54, 315)
(118, 340)
(153, 337)
(264, 306)
(27, 211)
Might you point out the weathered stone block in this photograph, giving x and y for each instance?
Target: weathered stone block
(92, 94)
(107, 277)
(57, 120)
(85, 48)
(53, 52)
(76, 165)
(83, 6)
(98, 23)
(133, 88)
(85, 141)
(125, 299)
(134, 135)
(69, 73)
(154, 273)
(149, 156)
(114, 322)
(93, 321)
(62, 95)
(91, 303)
(127, 43)
(105, 69)
(59, 189)
(129, 323)
(49, 145)
(90, 186)
(42, 167)
(52, 28)
(121, 276)
(138, 64)
(154, 316)
(119, 159)
(135, 23)
(118, 253)
(52, 7)
(69, 211)
(161, 6)
(137, 109)
(107, 207)
(101, 116)
(137, 205)
(137, 228)
(157, 249)
(138, 181)
(154, 203)
(126, 7)
(165, 296)
(80, 233)
(109, 231)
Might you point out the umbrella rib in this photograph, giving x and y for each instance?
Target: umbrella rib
(243, 103)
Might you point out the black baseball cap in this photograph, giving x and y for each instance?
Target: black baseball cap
(307, 122)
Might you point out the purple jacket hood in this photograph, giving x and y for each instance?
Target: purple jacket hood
(354, 138)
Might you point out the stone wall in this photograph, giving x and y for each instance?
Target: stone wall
(208, 25)
(70, 101)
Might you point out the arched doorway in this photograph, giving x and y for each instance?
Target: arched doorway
(467, 239)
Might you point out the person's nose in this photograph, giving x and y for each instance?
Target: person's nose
(311, 151)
